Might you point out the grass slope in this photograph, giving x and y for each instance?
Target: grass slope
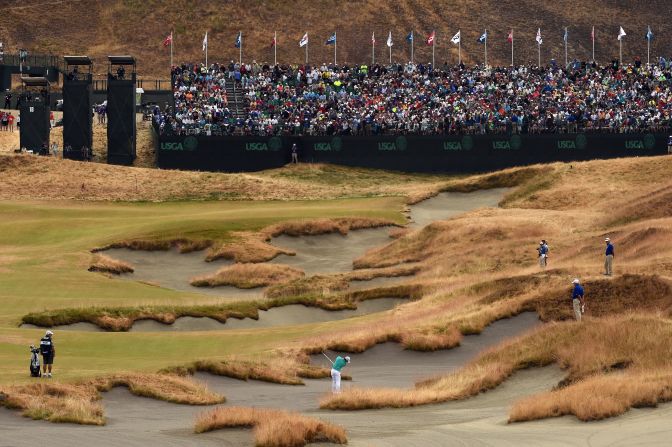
(98, 28)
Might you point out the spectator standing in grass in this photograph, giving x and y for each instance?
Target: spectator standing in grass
(10, 120)
(295, 154)
(578, 303)
(48, 351)
(543, 253)
(609, 258)
(669, 145)
(336, 368)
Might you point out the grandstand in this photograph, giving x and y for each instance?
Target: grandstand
(418, 99)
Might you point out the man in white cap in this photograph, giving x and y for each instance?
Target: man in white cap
(578, 304)
(336, 368)
(609, 258)
(48, 351)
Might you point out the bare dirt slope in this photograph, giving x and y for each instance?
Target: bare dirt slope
(99, 28)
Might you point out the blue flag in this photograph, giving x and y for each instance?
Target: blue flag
(239, 39)
(331, 40)
(565, 36)
(649, 35)
(483, 38)
(409, 38)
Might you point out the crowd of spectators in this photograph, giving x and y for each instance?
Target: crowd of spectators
(417, 99)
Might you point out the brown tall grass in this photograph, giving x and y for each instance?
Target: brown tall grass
(248, 276)
(183, 245)
(272, 428)
(79, 402)
(106, 264)
(598, 397)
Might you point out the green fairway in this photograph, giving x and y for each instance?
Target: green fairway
(44, 256)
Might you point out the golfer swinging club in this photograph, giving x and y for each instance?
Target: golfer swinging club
(336, 367)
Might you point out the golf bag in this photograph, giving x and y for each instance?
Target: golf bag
(35, 362)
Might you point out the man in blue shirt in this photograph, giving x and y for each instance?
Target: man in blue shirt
(336, 368)
(543, 253)
(609, 258)
(578, 304)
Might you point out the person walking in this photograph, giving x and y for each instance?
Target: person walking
(336, 368)
(48, 351)
(669, 145)
(295, 154)
(609, 258)
(578, 303)
(543, 253)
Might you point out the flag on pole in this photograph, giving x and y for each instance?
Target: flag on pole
(389, 39)
(649, 34)
(509, 38)
(565, 36)
(409, 38)
(274, 42)
(304, 40)
(205, 41)
(592, 35)
(331, 40)
(483, 38)
(457, 38)
(168, 40)
(373, 38)
(430, 38)
(239, 39)
(621, 33)
(539, 39)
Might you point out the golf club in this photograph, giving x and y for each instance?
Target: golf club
(330, 361)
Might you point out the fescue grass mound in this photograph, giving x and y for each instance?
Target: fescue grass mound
(272, 428)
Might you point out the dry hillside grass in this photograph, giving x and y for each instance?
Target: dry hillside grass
(272, 428)
(100, 28)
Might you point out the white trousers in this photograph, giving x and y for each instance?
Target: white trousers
(335, 381)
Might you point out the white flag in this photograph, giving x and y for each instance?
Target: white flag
(304, 40)
(539, 39)
(456, 38)
(205, 41)
(621, 33)
(389, 39)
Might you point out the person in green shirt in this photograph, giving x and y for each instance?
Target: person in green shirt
(336, 368)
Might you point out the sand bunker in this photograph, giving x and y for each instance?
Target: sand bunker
(291, 315)
(329, 253)
(278, 316)
(173, 270)
(450, 204)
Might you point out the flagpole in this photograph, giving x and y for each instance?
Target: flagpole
(306, 51)
(565, 48)
(486, 47)
(593, 44)
(335, 40)
(390, 47)
(240, 53)
(433, 46)
(512, 48)
(171, 50)
(207, 44)
(275, 48)
(373, 50)
(459, 49)
(620, 51)
(412, 45)
(648, 47)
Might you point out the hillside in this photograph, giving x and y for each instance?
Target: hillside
(136, 27)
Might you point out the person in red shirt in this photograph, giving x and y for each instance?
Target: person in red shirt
(10, 120)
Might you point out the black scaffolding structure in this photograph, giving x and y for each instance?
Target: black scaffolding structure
(78, 108)
(34, 114)
(121, 130)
